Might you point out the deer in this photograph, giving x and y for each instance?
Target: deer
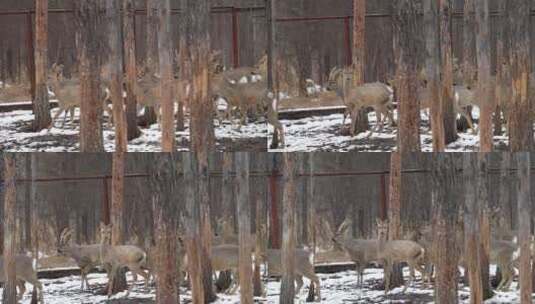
(67, 91)
(398, 251)
(86, 257)
(116, 257)
(25, 272)
(361, 251)
(377, 95)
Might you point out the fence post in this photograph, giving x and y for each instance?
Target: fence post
(235, 42)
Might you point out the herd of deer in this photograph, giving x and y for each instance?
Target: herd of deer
(418, 253)
(244, 90)
(139, 261)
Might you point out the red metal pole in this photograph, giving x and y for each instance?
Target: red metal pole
(274, 212)
(347, 30)
(31, 60)
(235, 42)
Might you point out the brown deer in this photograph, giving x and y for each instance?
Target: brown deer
(25, 272)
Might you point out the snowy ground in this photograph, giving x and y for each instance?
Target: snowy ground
(336, 288)
(14, 136)
(322, 133)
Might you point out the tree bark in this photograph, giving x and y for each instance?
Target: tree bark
(359, 54)
(167, 80)
(41, 107)
(227, 195)
(472, 227)
(433, 64)
(10, 226)
(272, 58)
(485, 89)
(394, 213)
(289, 201)
(359, 40)
(445, 204)
(163, 176)
(192, 216)
(406, 33)
(450, 124)
(244, 228)
(151, 66)
(115, 63)
(500, 72)
(88, 16)
(484, 214)
(520, 123)
(129, 46)
(524, 226)
(469, 44)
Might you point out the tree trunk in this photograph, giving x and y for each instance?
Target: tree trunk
(151, 66)
(289, 201)
(244, 228)
(359, 40)
(524, 226)
(129, 46)
(227, 186)
(433, 64)
(469, 44)
(10, 241)
(272, 58)
(484, 214)
(394, 213)
(116, 78)
(167, 80)
(164, 204)
(118, 166)
(445, 204)
(485, 89)
(450, 124)
(41, 107)
(472, 227)
(520, 120)
(88, 16)
(500, 60)
(192, 223)
(406, 33)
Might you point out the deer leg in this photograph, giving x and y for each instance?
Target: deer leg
(387, 271)
(137, 270)
(22, 289)
(465, 114)
(299, 283)
(37, 285)
(60, 110)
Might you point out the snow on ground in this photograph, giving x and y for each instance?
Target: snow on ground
(322, 133)
(336, 288)
(14, 136)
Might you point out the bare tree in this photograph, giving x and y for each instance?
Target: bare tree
(115, 63)
(152, 51)
(472, 227)
(163, 181)
(406, 32)
(520, 118)
(195, 49)
(359, 54)
(524, 225)
(192, 216)
(167, 79)
(289, 200)
(10, 225)
(244, 225)
(433, 64)
(448, 113)
(88, 15)
(445, 204)
(485, 89)
(41, 107)
(129, 46)
(394, 213)
(501, 60)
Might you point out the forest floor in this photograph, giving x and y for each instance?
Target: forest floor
(16, 137)
(340, 287)
(323, 133)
